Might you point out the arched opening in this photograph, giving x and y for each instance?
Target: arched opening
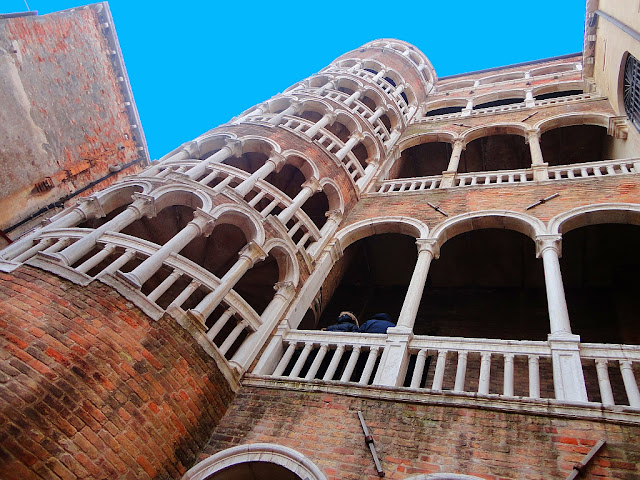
(316, 207)
(444, 111)
(487, 283)
(422, 160)
(340, 130)
(256, 286)
(498, 103)
(310, 115)
(371, 277)
(361, 153)
(254, 471)
(558, 94)
(495, 152)
(249, 162)
(456, 85)
(599, 266)
(386, 122)
(579, 144)
(288, 180)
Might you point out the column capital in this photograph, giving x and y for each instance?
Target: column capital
(358, 135)
(428, 245)
(204, 221)
(143, 204)
(460, 143)
(335, 215)
(331, 117)
(278, 160)
(234, 147)
(285, 289)
(546, 242)
(253, 252)
(312, 184)
(90, 207)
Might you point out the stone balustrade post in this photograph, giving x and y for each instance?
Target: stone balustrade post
(249, 255)
(353, 140)
(233, 148)
(326, 119)
(290, 110)
(202, 224)
(273, 163)
(310, 187)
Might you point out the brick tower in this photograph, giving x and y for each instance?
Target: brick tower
(172, 325)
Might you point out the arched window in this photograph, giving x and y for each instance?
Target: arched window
(631, 90)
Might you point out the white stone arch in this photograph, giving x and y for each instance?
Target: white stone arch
(308, 168)
(317, 105)
(394, 75)
(120, 194)
(431, 137)
(279, 104)
(375, 95)
(549, 69)
(243, 217)
(370, 142)
(349, 120)
(372, 64)
(444, 476)
(333, 193)
(455, 85)
(210, 142)
(187, 195)
(258, 144)
(375, 226)
(347, 82)
(318, 80)
(501, 128)
(502, 219)
(443, 103)
(500, 95)
(570, 119)
(257, 452)
(288, 268)
(501, 77)
(627, 213)
(558, 87)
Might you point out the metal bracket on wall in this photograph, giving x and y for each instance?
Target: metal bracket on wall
(437, 209)
(369, 441)
(578, 468)
(542, 200)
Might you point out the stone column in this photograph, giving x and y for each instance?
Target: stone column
(84, 209)
(449, 176)
(568, 377)
(539, 167)
(327, 119)
(249, 255)
(377, 114)
(353, 140)
(334, 217)
(309, 187)
(427, 250)
(273, 163)
(395, 135)
(202, 224)
(141, 206)
(250, 348)
(290, 110)
(352, 98)
(233, 148)
(379, 75)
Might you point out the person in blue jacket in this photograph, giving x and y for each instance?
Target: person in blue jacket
(347, 322)
(377, 324)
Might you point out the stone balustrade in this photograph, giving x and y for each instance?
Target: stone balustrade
(594, 169)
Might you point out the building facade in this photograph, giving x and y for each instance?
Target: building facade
(171, 325)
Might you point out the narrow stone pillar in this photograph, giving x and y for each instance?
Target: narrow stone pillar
(568, 377)
(309, 187)
(142, 205)
(507, 381)
(377, 114)
(353, 140)
(233, 148)
(379, 75)
(529, 100)
(533, 138)
(449, 176)
(202, 224)
(327, 119)
(290, 110)
(602, 371)
(395, 135)
(427, 250)
(352, 98)
(334, 217)
(249, 255)
(273, 163)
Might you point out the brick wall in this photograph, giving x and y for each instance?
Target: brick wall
(413, 439)
(92, 388)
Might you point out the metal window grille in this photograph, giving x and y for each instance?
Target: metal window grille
(631, 90)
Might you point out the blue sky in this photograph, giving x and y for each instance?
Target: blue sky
(195, 64)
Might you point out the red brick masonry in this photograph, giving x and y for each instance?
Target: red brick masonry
(92, 388)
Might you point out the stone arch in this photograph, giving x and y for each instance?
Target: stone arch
(245, 218)
(549, 69)
(317, 81)
(257, 452)
(444, 103)
(627, 213)
(570, 119)
(117, 195)
(347, 83)
(333, 193)
(454, 85)
(500, 95)
(288, 268)
(302, 162)
(209, 143)
(344, 125)
(503, 219)
(374, 226)
(279, 104)
(372, 64)
(318, 106)
(495, 129)
(558, 87)
(169, 195)
(501, 77)
(420, 138)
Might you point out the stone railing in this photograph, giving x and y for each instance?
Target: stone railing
(611, 370)
(263, 197)
(482, 368)
(510, 177)
(362, 110)
(594, 169)
(184, 284)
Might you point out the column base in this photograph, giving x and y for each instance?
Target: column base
(395, 358)
(56, 257)
(129, 278)
(540, 172)
(568, 376)
(448, 179)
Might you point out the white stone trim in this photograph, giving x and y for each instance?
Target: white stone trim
(373, 226)
(603, 213)
(257, 452)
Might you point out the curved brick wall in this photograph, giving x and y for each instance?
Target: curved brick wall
(92, 388)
